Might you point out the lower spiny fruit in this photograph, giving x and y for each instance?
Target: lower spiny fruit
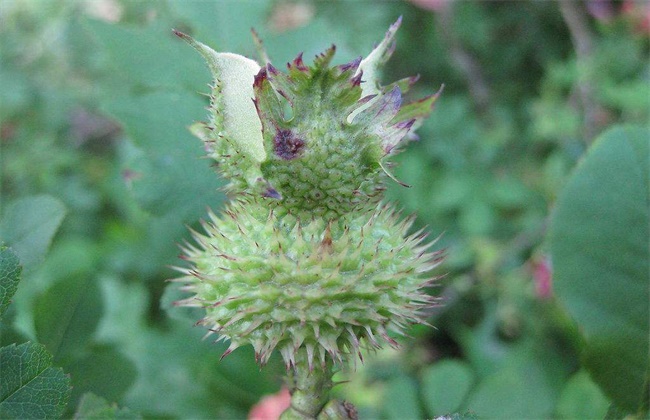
(330, 287)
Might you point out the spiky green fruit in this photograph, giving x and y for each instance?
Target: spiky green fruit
(306, 259)
(322, 285)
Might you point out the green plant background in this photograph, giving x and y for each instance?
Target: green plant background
(101, 178)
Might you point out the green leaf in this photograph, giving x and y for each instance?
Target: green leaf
(9, 277)
(179, 374)
(28, 225)
(97, 408)
(169, 170)
(599, 245)
(445, 385)
(401, 399)
(66, 315)
(514, 392)
(29, 387)
(582, 399)
(16, 92)
(221, 25)
(617, 413)
(148, 56)
(103, 371)
(526, 384)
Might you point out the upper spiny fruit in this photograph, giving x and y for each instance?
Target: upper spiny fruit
(317, 161)
(316, 139)
(306, 257)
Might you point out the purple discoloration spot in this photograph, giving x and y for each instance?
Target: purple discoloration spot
(405, 124)
(272, 193)
(260, 77)
(391, 102)
(366, 99)
(413, 79)
(272, 70)
(298, 64)
(352, 65)
(287, 146)
(356, 80)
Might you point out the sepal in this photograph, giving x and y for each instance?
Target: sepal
(371, 65)
(418, 110)
(234, 114)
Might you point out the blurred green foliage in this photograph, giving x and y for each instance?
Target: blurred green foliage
(95, 100)
(614, 220)
(29, 386)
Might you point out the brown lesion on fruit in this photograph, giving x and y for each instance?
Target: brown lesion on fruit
(287, 145)
(326, 243)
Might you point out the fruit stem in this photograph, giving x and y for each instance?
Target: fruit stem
(309, 387)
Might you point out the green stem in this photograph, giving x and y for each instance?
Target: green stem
(310, 393)
(310, 388)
